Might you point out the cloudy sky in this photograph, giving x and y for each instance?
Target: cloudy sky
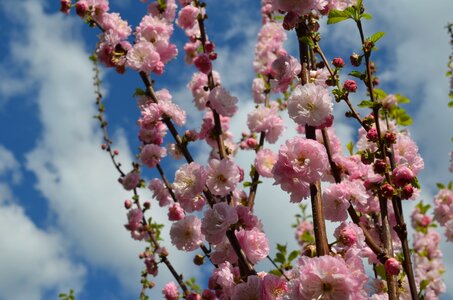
(61, 214)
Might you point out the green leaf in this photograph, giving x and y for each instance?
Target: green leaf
(450, 185)
(247, 184)
(307, 40)
(379, 94)
(336, 16)
(350, 147)
(280, 258)
(367, 16)
(377, 36)
(440, 186)
(293, 255)
(366, 103)
(402, 99)
(450, 104)
(357, 74)
(281, 248)
(139, 92)
(415, 183)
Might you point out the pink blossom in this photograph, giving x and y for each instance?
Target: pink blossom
(258, 87)
(187, 17)
(134, 217)
(223, 252)
(326, 277)
(152, 154)
(267, 120)
(203, 63)
(246, 218)
(248, 290)
(336, 202)
(273, 288)
(223, 176)
(130, 181)
(222, 102)
(300, 162)
(350, 86)
(160, 192)
(222, 279)
(350, 235)
(153, 29)
(216, 222)
(254, 243)
(65, 6)
(174, 151)
(319, 77)
(189, 181)
(300, 8)
(340, 4)
(270, 43)
(150, 115)
(285, 69)
(170, 291)
(264, 162)
(113, 22)
(175, 212)
(142, 57)
(406, 153)
(185, 234)
(443, 211)
(310, 105)
(169, 108)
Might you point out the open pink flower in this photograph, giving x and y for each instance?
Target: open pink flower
(223, 176)
(189, 181)
(216, 222)
(185, 234)
(310, 105)
(222, 102)
(254, 243)
(152, 154)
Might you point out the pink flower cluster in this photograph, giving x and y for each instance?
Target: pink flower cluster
(152, 48)
(443, 211)
(267, 120)
(300, 162)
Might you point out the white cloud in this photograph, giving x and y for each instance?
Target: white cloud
(76, 178)
(34, 261)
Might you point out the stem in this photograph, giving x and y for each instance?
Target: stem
(322, 245)
(386, 235)
(277, 267)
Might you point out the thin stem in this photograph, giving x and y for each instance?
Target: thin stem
(277, 267)
(322, 245)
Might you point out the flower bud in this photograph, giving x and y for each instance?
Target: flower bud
(147, 205)
(350, 86)
(390, 137)
(209, 47)
(338, 62)
(392, 266)
(407, 191)
(372, 135)
(402, 175)
(127, 204)
(203, 63)
(380, 166)
(356, 59)
(198, 259)
(387, 190)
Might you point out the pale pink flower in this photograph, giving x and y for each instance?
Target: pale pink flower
(189, 181)
(153, 29)
(349, 235)
(168, 15)
(113, 22)
(222, 280)
(406, 153)
(160, 192)
(170, 291)
(300, 162)
(134, 217)
(270, 43)
(185, 234)
(310, 105)
(267, 120)
(223, 176)
(169, 108)
(258, 87)
(443, 211)
(216, 222)
(150, 115)
(130, 181)
(152, 154)
(449, 230)
(247, 219)
(254, 243)
(175, 212)
(222, 102)
(142, 57)
(300, 7)
(264, 162)
(187, 17)
(285, 69)
(273, 287)
(319, 77)
(336, 202)
(326, 277)
(340, 4)
(249, 290)
(223, 252)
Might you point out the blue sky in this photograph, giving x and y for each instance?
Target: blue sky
(61, 212)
